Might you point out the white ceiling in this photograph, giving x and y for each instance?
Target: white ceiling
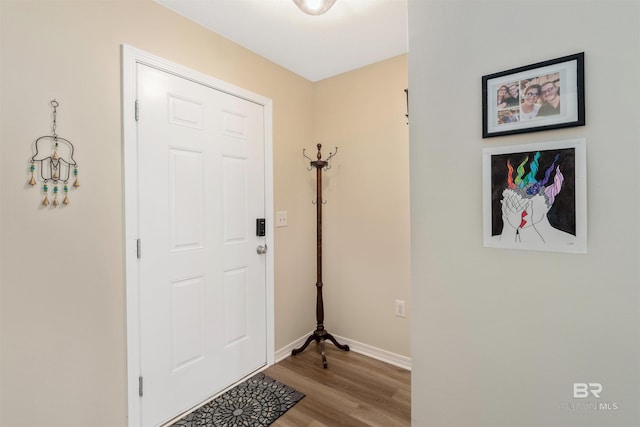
(352, 34)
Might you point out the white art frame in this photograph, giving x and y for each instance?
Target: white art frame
(535, 196)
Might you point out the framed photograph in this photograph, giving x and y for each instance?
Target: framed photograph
(535, 196)
(542, 96)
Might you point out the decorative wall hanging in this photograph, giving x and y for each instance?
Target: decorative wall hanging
(535, 196)
(542, 96)
(320, 334)
(54, 164)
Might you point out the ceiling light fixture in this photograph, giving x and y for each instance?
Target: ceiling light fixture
(314, 7)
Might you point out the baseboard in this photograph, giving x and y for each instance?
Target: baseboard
(285, 351)
(358, 347)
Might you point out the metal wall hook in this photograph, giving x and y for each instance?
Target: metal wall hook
(406, 92)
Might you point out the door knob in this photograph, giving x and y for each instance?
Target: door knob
(261, 249)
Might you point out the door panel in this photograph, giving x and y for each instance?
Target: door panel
(235, 305)
(186, 195)
(187, 318)
(234, 181)
(202, 284)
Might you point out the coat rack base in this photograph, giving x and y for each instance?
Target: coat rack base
(320, 336)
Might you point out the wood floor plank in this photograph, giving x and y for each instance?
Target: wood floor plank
(354, 391)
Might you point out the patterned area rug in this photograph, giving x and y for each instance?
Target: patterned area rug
(256, 402)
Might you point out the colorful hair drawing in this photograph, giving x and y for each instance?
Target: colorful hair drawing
(510, 182)
(533, 170)
(519, 182)
(553, 190)
(528, 183)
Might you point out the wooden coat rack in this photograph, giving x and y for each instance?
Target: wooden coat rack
(320, 334)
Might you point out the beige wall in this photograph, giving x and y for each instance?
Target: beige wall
(366, 218)
(63, 358)
(63, 323)
(500, 336)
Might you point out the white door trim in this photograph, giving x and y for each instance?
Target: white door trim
(131, 57)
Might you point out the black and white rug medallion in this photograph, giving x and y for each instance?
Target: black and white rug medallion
(256, 402)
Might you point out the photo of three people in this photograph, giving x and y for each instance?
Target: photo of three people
(528, 99)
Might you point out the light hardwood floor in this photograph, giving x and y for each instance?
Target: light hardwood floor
(353, 391)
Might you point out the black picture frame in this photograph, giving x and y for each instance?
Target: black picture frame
(552, 91)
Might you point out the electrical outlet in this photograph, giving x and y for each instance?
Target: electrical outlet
(401, 308)
(281, 219)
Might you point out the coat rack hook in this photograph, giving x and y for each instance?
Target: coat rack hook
(319, 163)
(310, 159)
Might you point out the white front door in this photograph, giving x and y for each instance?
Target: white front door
(201, 187)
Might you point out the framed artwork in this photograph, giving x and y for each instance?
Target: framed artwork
(535, 196)
(542, 96)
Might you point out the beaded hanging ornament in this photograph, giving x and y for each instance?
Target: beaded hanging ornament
(54, 164)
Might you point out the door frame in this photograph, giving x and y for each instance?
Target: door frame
(131, 57)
